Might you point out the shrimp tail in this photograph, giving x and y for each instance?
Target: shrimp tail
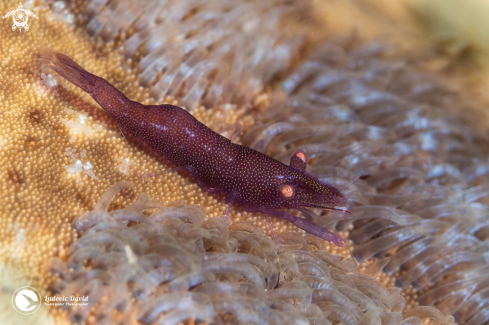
(110, 98)
(69, 69)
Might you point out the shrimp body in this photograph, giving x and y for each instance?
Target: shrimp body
(249, 178)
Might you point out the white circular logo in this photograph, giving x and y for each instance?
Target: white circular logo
(26, 300)
(20, 17)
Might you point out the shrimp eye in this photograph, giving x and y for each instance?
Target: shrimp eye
(287, 191)
(301, 155)
(298, 161)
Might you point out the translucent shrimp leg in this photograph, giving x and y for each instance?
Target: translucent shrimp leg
(324, 233)
(237, 129)
(229, 200)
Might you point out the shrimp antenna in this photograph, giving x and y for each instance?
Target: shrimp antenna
(330, 228)
(123, 135)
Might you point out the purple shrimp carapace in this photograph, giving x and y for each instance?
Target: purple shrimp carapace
(249, 178)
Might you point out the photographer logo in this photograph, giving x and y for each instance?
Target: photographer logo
(26, 300)
(20, 16)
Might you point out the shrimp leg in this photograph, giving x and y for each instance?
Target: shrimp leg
(195, 175)
(229, 200)
(260, 146)
(237, 129)
(272, 230)
(324, 233)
